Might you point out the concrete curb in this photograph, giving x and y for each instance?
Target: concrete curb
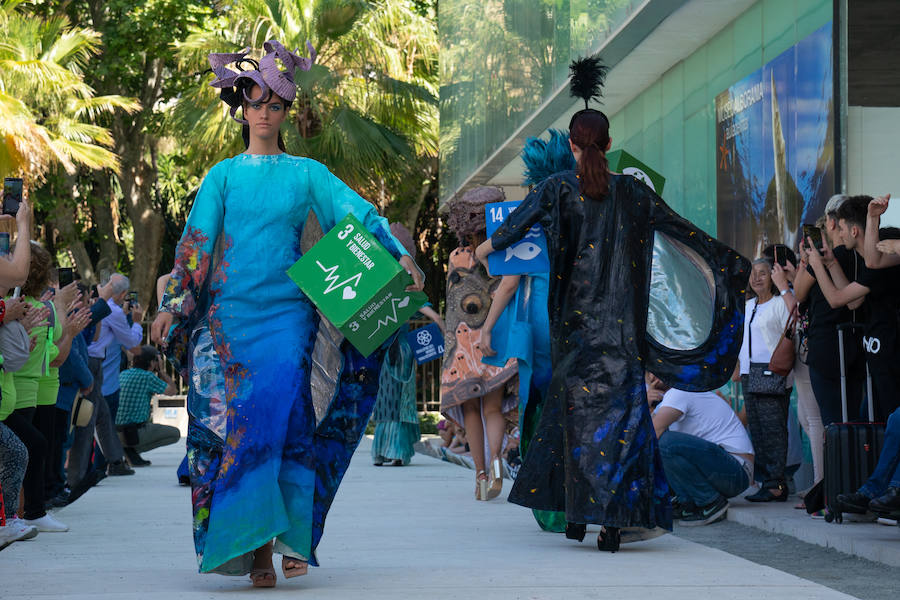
(868, 540)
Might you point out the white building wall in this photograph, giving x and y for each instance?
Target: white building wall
(873, 155)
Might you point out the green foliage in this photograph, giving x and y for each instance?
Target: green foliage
(47, 108)
(367, 109)
(428, 422)
(500, 61)
(176, 187)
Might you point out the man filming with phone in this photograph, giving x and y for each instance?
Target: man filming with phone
(824, 357)
(126, 330)
(880, 289)
(121, 330)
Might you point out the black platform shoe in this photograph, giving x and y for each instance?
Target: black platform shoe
(576, 531)
(609, 539)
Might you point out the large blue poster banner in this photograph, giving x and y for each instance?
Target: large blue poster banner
(775, 147)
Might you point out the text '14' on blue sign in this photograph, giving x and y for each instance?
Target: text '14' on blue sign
(526, 256)
(427, 343)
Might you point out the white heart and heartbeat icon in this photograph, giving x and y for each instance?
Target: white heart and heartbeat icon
(334, 283)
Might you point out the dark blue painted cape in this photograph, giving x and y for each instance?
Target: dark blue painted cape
(595, 454)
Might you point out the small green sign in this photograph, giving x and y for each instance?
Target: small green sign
(622, 162)
(356, 283)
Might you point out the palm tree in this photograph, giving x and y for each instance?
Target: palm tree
(367, 109)
(46, 109)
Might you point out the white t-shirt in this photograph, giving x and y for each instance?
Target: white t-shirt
(707, 416)
(768, 325)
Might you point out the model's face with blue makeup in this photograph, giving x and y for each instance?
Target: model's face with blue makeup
(264, 116)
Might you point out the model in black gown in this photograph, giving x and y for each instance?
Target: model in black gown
(595, 454)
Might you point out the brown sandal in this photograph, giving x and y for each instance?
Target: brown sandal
(301, 567)
(260, 578)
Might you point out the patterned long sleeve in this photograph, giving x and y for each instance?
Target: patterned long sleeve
(194, 254)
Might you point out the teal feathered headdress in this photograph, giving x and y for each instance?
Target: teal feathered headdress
(543, 158)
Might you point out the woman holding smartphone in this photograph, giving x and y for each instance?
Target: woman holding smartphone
(247, 333)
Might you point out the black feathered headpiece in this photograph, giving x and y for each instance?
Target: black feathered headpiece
(588, 76)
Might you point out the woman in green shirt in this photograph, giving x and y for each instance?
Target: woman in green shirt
(25, 386)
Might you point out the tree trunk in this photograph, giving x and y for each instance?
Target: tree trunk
(69, 234)
(105, 226)
(138, 178)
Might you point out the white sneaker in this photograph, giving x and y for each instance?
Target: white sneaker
(28, 531)
(8, 535)
(12, 533)
(47, 523)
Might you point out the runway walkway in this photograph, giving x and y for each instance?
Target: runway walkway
(394, 532)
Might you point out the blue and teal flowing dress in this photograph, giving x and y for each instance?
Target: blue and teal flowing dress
(264, 465)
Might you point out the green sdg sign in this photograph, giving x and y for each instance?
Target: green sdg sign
(622, 162)
(356, 283)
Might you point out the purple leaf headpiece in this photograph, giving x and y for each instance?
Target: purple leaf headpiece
(265, 73)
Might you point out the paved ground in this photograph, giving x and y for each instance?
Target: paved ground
(849, 574)
(866, 540)
(412, 532)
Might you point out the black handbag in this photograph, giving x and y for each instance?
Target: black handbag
(762, 380)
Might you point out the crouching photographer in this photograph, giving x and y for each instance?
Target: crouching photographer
(139, 384)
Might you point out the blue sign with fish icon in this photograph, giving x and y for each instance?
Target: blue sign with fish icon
(527, 256)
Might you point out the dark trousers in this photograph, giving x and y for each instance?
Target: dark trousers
(827, 388)
(112, 401)
(21, 423)
(53, 423)
(102, 423)
(767, 419)
(699, 471)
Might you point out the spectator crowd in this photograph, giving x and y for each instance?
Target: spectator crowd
(825, 316)
(823, 320)
(69, 415)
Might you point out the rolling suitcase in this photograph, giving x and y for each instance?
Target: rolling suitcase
(851, 448)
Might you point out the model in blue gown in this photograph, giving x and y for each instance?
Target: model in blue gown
(262, 465)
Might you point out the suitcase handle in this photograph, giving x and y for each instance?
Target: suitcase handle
(870, 400)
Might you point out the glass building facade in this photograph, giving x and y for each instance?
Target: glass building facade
(501, 60)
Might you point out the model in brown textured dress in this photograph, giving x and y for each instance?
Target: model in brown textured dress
(473, 394)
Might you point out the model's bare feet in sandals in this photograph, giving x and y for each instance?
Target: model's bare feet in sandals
(293, 567)
(263, 573)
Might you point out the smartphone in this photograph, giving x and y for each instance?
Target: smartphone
(4, 243)
(66, 275)
(133, 298)
(814, 233)
(779, 260)
(17, 292)
(12, 195)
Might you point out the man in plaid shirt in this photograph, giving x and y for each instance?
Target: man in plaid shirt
(138, 385)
